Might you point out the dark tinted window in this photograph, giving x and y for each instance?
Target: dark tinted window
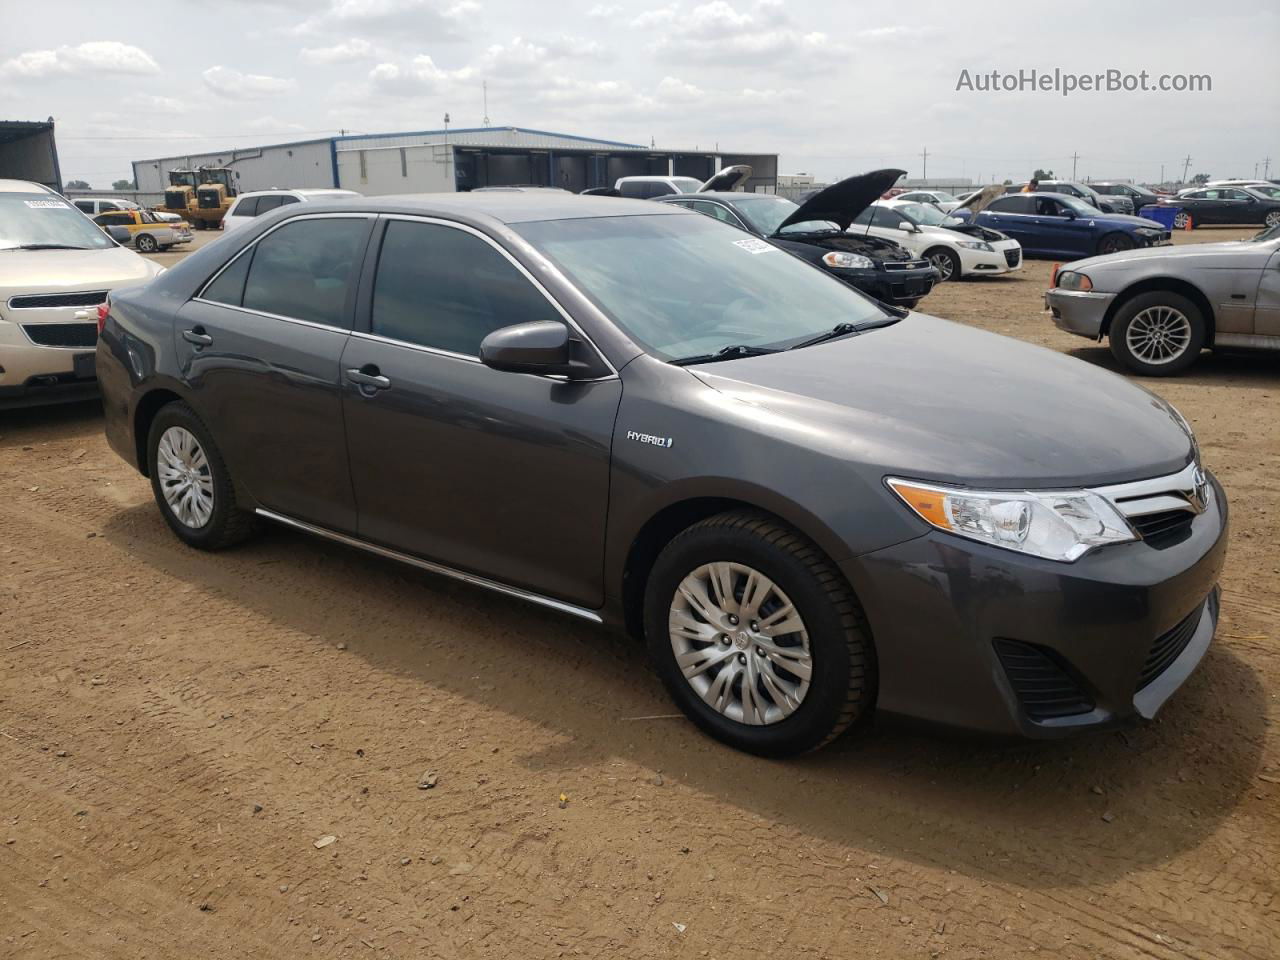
(85, 205)
(1048, 208)
(267, 204)
(247, 207)
(229, 285)
(304, 269)
(884, 217)
(444, 288)
(108, 205)
(287, 199)
(1013, 204)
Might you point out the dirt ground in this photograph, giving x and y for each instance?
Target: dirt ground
(178, 730)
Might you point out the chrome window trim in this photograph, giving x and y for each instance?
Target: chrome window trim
(432, 567)
(274, 316)
(520, 267)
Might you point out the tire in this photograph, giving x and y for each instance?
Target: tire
(833, 640)
(224, 523)
(910, 304)
(1114, 243)
(946, 262)
(1184, 327)
(1272, 218)
(146, 243)
(1181, 219)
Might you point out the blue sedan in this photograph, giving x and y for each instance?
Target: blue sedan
(1061, 227)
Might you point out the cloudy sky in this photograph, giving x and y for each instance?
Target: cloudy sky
(834, 87)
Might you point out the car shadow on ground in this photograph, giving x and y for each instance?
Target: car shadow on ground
(1250, 370)
(1029, 813)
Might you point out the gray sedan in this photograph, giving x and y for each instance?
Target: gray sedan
(1161, 306)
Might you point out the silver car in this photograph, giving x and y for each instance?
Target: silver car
(1160, 306)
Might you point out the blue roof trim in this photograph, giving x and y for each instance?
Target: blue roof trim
(541, 133)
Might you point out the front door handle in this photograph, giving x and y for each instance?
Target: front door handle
(197, 336)
(368, 378)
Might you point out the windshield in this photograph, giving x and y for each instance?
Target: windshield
(43, 219)
(1270, 233)
(925, 213)
(683, 286)
(686, 184)
(765, 212)
(943, 197)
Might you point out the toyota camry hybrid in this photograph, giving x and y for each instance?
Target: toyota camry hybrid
(810, 505)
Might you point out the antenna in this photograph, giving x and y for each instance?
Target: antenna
(485, 86)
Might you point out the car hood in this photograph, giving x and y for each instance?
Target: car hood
(1125, 218)
(981, 200)
(1228, 254)
(46, 271)
(933, 400)
(843, 201)
(728, 179)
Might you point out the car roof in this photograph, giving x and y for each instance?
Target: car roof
(23, 186)
(503, 207)
(303, 191)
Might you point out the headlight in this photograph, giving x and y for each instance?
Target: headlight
(840, 259)
(975, 245)
(1058, 525)
(1070, 280)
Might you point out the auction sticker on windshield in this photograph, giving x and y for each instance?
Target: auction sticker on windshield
(752, 245)
(54, 204)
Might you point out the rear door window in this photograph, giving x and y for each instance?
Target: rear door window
(247, 207)
(267, 204)
(305, 269)
(444, 288)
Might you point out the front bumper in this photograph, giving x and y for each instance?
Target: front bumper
(31, 373)
(899, 287)
(1078, 311)
(1005, 258)
(957, 626)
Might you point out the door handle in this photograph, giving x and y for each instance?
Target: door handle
(368, 378)
(197, 336)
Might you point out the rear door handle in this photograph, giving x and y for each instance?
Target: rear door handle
(369, 378)
(197, 337)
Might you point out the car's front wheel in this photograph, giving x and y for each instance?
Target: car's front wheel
(945, 262)
(191, 483)
(1158, 333)
(1114, 243)
(758, 636)
(1273, 218)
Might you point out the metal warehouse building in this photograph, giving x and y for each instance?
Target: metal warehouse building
(432, 161)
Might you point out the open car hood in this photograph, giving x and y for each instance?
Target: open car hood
(843, 201)
(728, 179)
(982, 199)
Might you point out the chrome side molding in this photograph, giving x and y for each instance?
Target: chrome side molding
(430, 567)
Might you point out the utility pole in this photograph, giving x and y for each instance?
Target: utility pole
(1074, 158)
(484, 85)
(1162, 174)
(1186, 166)
(1266, 168)
(924, 155)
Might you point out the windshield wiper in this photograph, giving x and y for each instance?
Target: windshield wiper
(844, 329)
(731, 352)
(46, 246)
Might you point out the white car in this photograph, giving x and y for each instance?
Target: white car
(255, 204)
(96, 205)
(56, 268)
(953, 247)
(646, 188)
(945, 202)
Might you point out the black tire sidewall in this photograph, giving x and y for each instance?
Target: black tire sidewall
(1120, 325)
(820, 712)
(211, 535)
(952, 256)
(146, 243)
(1124, 240)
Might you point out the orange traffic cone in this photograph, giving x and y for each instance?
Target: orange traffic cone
(1188, 224)
(1053, 277)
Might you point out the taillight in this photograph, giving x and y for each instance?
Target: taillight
(104, 311)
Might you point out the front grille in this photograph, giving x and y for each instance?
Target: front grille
(1042, 681)
(208, 199)
(1154, 525)
(1011, 257)
(175, 199)
(35, 301)
(1168, 647)
(905, 264)
(62, 334)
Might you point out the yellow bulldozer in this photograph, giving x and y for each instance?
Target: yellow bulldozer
(201, 196)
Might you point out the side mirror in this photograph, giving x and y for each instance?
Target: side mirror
(907, 226)
(539, 347)
(120, 235)
(1068, 213)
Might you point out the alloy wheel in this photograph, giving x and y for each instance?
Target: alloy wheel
(1273, 218)
(942, 262)
(740, 643)
(1158, 335)
(185, 479)
(1181, 219)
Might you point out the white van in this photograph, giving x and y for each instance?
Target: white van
(92, 206)
(56, 267)
(255, 204)
(646, 188)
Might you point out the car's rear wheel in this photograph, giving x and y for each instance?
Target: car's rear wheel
(945, 262)
(191, 483)
(1114, 243)
(1158, 334)
(146, 243)
(1181, 219)
(757, 636)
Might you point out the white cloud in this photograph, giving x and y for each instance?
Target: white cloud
(420, 76)
(235, 85)
(718, 32)
(439, 19)
(671, 88)
(347, 51)
(656, 17)
(604, 11)
(154, 103)
(270, 123)
(94, 56)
